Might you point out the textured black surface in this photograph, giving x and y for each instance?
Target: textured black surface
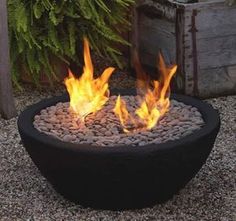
(119, 177)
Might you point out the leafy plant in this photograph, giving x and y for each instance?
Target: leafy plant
(43, 29)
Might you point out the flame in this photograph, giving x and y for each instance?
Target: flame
(88, 95)
(122, 112)
(154, 96)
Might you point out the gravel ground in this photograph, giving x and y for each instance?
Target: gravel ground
(26, 195)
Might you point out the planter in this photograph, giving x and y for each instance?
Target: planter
(123, 177)
(199, 37)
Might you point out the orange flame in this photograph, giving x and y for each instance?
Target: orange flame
(122, 112)
(88, 95)
(154, 98)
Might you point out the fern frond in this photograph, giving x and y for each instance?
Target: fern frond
(42, 29)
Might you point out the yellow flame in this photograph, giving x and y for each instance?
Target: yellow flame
(122, 112)
(88, 95)
(155, 97)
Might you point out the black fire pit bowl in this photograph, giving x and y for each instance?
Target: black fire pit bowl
(123, 177)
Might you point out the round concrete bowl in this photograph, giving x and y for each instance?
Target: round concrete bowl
(121, 177)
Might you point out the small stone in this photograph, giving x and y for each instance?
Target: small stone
(157, 141)
(69, 138)
(143, 143)
(56, 132)
(103, 121)
(103, 130)
(114, 131)
(43, 112)
(59, 112)
(186, 133)
(175, 122)
(89, 140)
(49, 126)
(36, 117)
(97, 126)
(194, 109)
(42, 128)
(128, 142)
(108, 133)
(90, 133)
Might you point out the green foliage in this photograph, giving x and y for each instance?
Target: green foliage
(42, 29)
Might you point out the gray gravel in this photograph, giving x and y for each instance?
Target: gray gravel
(103, 128)
(26, 195)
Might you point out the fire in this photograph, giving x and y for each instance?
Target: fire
(88, 95)
(154, 97)
(122, 112)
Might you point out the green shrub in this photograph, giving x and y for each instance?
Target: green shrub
(42, 29)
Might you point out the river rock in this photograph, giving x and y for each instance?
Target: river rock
(104, 129)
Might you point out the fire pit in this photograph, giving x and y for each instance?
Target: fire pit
(104, 156)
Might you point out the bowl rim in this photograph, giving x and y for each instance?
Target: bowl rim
(25, 126)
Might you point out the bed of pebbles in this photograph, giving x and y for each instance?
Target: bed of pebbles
(104, 129)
